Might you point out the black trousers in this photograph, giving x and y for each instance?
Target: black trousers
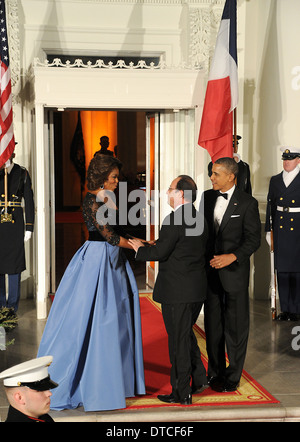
(226, 318)
(289, 292)
(184, 353)
(14, 286)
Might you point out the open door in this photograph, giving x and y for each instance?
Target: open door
(152, 189)
(170, 151)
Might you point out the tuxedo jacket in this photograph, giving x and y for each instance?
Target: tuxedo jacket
(286, 224)
(180, 251)
(239, 233)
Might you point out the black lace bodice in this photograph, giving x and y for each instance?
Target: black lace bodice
(96, 222)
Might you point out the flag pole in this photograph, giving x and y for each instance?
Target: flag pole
(273, 279)
(273, 285)
(5, 190)
(235, 147)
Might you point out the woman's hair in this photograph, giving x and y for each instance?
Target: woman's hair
(99, 169)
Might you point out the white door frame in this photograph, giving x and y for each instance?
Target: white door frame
(41, 271)
(152, 205)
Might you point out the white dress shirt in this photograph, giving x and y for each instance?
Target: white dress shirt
(221, 206)
(288, 177)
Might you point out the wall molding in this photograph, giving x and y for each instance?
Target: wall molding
(13, 32)
(121, 64)
(204, 26)
(145, 2)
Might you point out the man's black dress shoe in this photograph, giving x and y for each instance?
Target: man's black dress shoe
(229, 387)
(216, 383)
(170, 399)
(284, 316)
(198, 389)
(293, 317)
(187, 400)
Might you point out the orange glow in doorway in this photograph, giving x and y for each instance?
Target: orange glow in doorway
(152, 172)
(95, 124)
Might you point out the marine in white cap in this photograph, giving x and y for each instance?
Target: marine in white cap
(283, 214)
(27, 387)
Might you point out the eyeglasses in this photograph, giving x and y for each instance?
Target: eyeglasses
(172, 188)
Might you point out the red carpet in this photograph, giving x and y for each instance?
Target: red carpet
(157, 368)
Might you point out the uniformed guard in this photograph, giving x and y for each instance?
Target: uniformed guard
(283, 216)
(27, 387)
(13, 232)
(243, 180)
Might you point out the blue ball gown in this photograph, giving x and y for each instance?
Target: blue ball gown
(93, 330)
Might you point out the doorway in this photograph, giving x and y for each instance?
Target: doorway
(176, 93)
(75, 130)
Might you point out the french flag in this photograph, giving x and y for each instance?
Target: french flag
(221, 97)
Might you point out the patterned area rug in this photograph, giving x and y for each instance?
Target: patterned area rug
(157, 368)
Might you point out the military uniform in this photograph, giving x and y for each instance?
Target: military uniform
(16, 416)
(283, 213)
(12, 252)
(34, 375)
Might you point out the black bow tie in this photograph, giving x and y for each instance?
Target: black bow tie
(224, 195)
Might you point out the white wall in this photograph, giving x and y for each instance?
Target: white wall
(271, 101)
(272, 93)
(96, 27)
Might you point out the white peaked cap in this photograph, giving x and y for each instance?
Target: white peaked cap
(290, 149)
(33, 374)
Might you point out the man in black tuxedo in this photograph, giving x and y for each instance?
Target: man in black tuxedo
(180, 286)
(234, 234)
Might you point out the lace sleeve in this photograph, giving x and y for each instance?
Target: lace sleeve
(101, 218)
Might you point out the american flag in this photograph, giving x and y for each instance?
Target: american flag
(7, 141)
